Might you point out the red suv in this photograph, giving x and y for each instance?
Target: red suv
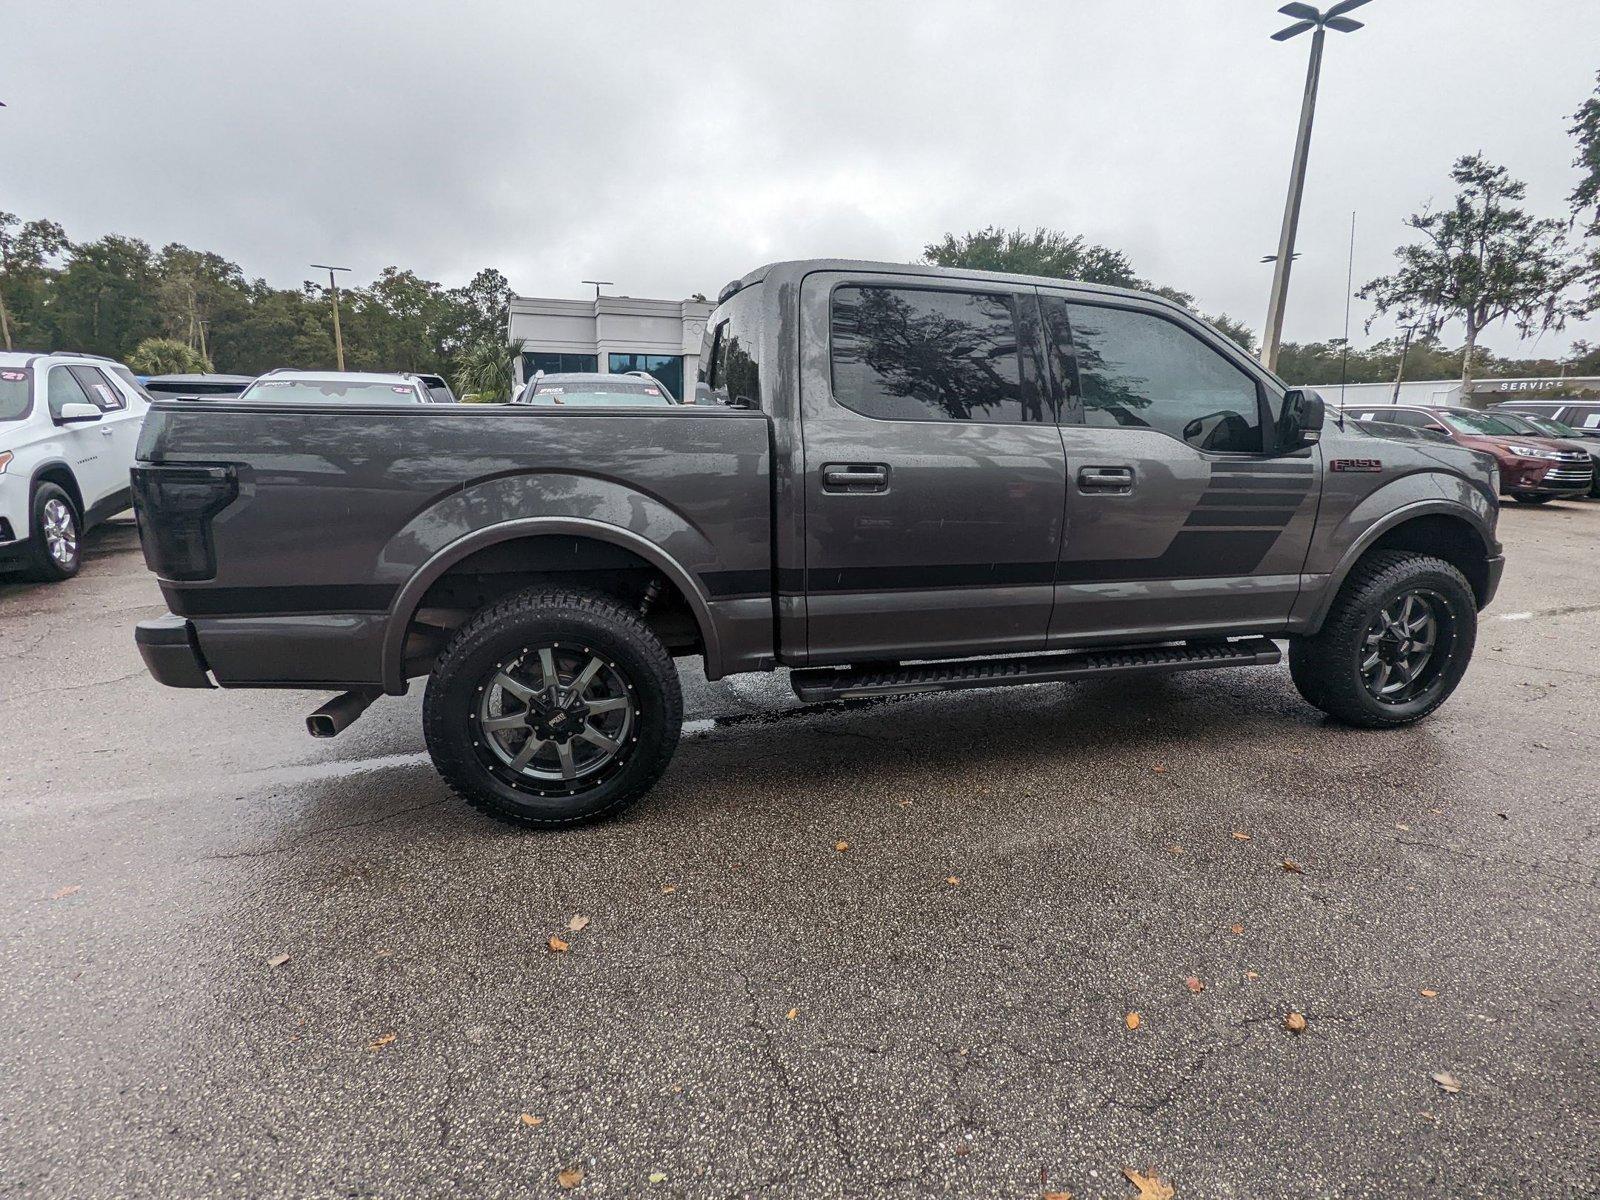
(1534, 468)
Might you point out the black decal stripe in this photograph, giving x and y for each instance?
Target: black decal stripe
(1222, 499)
(1246, 483)
(1261, 469)
(1273, 518)
(280, 601)
(729, 585)
(1193, 554)
(929, 578)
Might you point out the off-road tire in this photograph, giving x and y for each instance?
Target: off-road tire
(598, 623)
(1326, 667)
(42, 565)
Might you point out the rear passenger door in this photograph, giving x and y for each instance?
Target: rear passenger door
(933, 475)
(1183, 517)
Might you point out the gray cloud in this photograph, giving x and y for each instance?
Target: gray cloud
(673, 147)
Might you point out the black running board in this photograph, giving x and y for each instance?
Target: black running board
(814, 684)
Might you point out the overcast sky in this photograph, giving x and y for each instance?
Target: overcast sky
(671, 147)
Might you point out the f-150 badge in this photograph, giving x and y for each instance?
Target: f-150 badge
(1356, 464)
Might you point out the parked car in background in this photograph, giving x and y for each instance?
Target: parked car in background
(923, 480)
(1582, 415)
(196, 386)
(1533, 470)
(69, 426)
(1554, 433)
(360, 387)
(592, 389)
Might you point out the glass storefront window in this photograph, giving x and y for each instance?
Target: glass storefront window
(539, 360)
(668, 368)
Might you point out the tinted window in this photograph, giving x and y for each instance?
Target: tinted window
(668, 368)
(920, 355)
(14, 392)
(1401, 416)
(101, 391)
(540, 360)
(734, 370)
(63, 389)
(324, 391)
(1139, 371)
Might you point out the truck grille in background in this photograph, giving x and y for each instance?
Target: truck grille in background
(174, 506)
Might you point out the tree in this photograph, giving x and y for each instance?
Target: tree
(101, 302)
(25, 252)
(487, 370)
(1483, 261)
(1237, 330)
(167, 356)
(1586, 196)
(1047, 252)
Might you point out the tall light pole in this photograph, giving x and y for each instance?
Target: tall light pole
(1306, 18)
(333, 286)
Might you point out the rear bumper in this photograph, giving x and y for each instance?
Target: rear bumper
(171, 652)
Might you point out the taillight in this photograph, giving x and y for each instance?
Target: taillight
(174, 506)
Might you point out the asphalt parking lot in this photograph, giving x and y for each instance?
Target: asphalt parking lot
(941, 1009)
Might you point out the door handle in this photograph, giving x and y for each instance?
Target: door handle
(858, 478)
(1105, 479)
(104, 432)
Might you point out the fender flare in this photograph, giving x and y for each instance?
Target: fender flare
(409, 597)
(51, 464)
(1392, 520)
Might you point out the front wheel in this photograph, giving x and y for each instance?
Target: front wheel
(553, 707)
(1395, 643)
(57, 535)
(1533, 499)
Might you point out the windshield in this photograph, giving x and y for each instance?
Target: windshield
(13, 393)
(1518, 423)
(1550, 428)
(1480, 424)
(598, 392)
(320, 391)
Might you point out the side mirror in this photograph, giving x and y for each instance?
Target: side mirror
(1301, 421)
(74, 413)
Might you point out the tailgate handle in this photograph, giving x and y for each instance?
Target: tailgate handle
(856, 477)
(1105, 479)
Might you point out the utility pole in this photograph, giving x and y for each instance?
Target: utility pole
(333, 286)
(1306, 17)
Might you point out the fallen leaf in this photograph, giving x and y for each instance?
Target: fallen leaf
(841, 847)
(1159, 769)
(1236, 929)
(1294, 1023)
(383, 953)
(1132, 1020)
(277, 960)
(1402, 828)
(953, 880)
(382, 1040)
(1293, 867)
(577, 923)
(64, 892)
(1240, 835)
(530, 1120)
(1175, 849)
(557, 946)
(668, 888)
(658, 1176)
(1194, 985)
(963, 1150)
(569, 1177)
(1151, 1186)
(1251, 975)
(1429, 993)
(792, 1013)
(1447, 1081)
(1438, 812)
(1058, 1196)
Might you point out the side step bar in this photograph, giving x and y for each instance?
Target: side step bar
(813, 684)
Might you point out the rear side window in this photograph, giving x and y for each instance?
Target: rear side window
(15, 392)
(911, 354)
(62, 390)
(1140, 371)
(732, 370)
(102, 393)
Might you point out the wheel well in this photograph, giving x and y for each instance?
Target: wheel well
(61, 475)
(1449, 538)
(486, 575)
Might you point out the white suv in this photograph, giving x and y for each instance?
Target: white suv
(69, 425)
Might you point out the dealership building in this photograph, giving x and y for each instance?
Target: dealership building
(611, 334)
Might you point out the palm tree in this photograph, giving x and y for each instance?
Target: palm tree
(488, 371)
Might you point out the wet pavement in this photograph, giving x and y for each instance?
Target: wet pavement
(939, 1009)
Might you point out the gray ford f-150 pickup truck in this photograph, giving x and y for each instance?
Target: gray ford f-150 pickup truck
(917, 479)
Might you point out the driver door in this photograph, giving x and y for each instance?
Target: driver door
(1182, 517)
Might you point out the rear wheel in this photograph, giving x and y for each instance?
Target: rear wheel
(553, 707)
(56, 535)
(1395, 644)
